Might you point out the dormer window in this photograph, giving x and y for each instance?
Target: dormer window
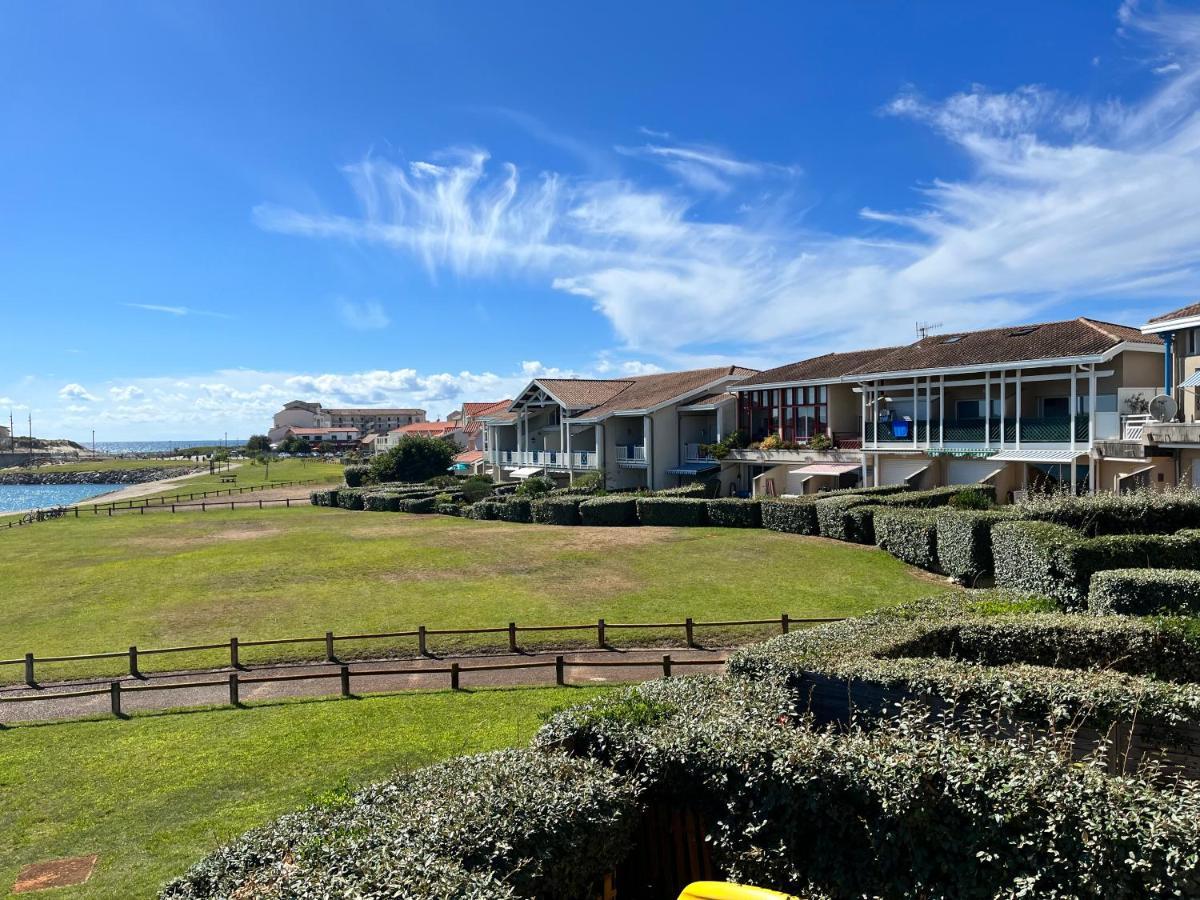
(951, 339)
(1021, 332)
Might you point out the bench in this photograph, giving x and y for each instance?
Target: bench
(228, 479)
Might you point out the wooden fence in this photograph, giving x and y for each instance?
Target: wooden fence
(330, 640)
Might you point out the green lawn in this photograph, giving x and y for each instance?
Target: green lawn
(98, 584)
(153, 794)
(251, 474)
(107, 465)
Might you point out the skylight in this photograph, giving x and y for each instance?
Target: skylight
(1021, 332)
(951, 339)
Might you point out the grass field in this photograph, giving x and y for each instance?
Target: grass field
(251, 474)
(91, 585)
(107, 465)
(153, 794)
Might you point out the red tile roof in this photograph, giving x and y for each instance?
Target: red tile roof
(649, 391)
(818, 368)
(475, 410)
(1185, 312)
(469, 456)
(427, 428)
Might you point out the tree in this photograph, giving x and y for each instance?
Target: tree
(296, 445)
(476, 488)
(258, 443)
(414, 458)
(264, 459)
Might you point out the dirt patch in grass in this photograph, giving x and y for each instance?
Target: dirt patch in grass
(178, 542)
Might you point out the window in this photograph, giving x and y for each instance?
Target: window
(758, 413)
(968, 409)
(951, 339)
(1021, 332)
(805, 412)
(1055, 407)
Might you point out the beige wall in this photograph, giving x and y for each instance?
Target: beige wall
(845, 409)
(1162, 474)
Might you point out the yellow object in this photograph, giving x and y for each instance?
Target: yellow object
(723, 890)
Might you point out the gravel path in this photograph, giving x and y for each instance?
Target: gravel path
(425, 674)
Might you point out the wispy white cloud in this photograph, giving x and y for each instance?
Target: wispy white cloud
(75, 392)
(178, 310)
(366, 316)
(1063, 199)
(126, 393)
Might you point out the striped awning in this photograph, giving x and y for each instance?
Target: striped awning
(1037, 456)
(1192, 380)
(826, 469)
(525, 472)
(693, 468)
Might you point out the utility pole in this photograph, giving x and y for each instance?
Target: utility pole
(93, 443)
(31, 439)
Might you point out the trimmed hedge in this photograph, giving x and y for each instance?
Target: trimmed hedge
(1143, 592)
(1139, 512)
(515, 509)
(612, 511)
(448, 509)
(910, 810)
(734, 513)
(380, 501)
(910, 535)
(356, 476)
(964, 541)
(791, 516)
(416, 504)
(351, 498)
(324, 498)
(511, 824)
(834, 520)
(678, 511)
(557, 510)
(1059, 562)
(484, 509)
(1048, 667)
(707, 489)
(938, 496)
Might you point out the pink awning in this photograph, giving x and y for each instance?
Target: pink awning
(827, 469)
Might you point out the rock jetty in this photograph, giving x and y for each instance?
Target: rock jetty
(102, 476)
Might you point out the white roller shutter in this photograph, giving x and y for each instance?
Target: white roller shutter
(898, 471)
(971, 471)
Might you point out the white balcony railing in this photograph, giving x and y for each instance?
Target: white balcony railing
(1134, 427)
(695, 453)
(546, 459)
(631, 455)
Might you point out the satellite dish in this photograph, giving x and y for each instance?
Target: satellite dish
(1164, 408)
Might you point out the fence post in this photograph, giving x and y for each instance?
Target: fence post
(29, 680)
(345, 673)
(784, 623)
(421, 641)
(114, 693)
(329, 647)
(233, 654)
(512, 637)
(454, 676)
(600, 634)
(234, 700)
(560, 670)
(287, 501)
(689, 627)
(666, 665)
(133, 663)
(203, 506)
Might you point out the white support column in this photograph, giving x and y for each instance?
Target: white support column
(875, 465)
(862, 424)
(1091, 406)
(987, 410)
(1003, 401)
(599, 433)
(928, 411)
(1073, 402)
(648, 445)
(941, 410)
(570, 462)
(916, 402)
(1073, 476)
(1017, 436)
(875, 417)
(720, 422)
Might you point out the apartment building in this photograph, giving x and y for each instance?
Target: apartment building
(1017, 406)
(646, 431)
(366, 420)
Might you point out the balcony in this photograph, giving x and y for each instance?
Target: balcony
(631, 456)
(696, 453)
(1049, 430)
(546, 459)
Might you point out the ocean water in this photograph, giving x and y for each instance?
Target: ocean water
(159, 446)
(41, 496)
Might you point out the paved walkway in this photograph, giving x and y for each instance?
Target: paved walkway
(431, 674)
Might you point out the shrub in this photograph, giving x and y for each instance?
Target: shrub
(535, 486)
(476, 488)
(941, 496)
(562, 510)
(1059, 562)
(910, 535)
(911, 810)
(379, 501)
(416, 505)
(356, 476)
(834, 519)
(964, 541)
(414, 458)
(612, 510)
(323, 498)
(484, 509)
(448, 509)
(351, 498)
(515, 823)
(792, 516)
(515, 509)
(970, 498)
(1143, 592)
(1139, 512)
(707, 488)
(445, 482)
(589, 483)
(674, 510)
(734, 513)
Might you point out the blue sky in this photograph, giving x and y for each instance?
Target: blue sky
(207, 209)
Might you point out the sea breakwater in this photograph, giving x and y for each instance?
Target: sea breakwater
(101, 476)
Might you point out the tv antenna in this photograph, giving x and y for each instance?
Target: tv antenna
(924, 328)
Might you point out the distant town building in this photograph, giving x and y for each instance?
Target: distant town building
(366, 420)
